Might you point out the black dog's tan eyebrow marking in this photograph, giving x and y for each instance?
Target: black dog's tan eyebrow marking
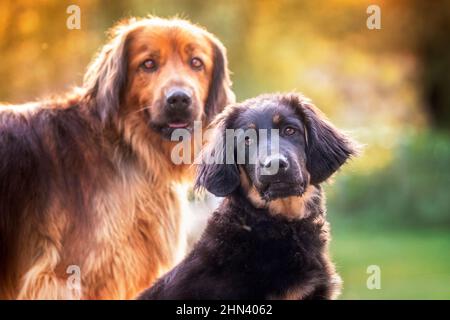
(276, 119)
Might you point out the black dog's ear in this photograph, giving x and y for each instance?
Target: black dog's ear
(219, 92)
(219, 179)
(327, 147)
(214, 173)
(106, 76)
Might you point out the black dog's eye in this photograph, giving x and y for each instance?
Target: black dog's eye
(196, 63)
(248, 141)
(149, 65)
(289, 131)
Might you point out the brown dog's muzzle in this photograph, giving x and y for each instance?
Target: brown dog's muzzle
(178, 107)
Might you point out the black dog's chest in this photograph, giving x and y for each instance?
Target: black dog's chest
(276, 241)
(264, 253)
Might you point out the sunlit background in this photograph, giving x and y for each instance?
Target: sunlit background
(389, 88)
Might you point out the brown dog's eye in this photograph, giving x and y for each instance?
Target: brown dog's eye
(149, 65)
(196, 63)
(289, 131)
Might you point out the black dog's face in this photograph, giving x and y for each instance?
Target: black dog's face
(274, 140)
(287, 144)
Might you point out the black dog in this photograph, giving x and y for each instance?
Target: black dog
(269, 237)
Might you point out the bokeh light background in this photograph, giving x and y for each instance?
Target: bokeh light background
(389, 88)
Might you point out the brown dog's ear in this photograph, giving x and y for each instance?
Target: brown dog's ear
(106, 77)
(327, 147)
(214, 173)
(219, 92)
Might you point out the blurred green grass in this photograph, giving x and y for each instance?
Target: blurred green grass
(414, 264)
(396, 217)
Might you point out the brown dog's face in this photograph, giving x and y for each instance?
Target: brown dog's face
(169, 73)
(161, 74)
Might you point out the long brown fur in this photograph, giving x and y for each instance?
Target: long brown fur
(84, 179)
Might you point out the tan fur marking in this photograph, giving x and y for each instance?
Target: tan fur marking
(276, 119)
(297, 292)
(290, 207)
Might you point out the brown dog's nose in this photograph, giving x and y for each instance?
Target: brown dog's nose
(178, 99)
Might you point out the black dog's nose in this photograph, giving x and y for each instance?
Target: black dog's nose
(178, 99)
(275, 161)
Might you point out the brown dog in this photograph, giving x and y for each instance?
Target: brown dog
(86, 181)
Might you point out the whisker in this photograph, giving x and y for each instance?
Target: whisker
(139, 110)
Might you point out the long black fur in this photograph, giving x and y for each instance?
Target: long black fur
(247, 253)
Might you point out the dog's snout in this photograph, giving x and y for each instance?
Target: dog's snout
(275, 161)
(178, 99)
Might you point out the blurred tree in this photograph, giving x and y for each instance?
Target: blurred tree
(422, 28)
(433, 49)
